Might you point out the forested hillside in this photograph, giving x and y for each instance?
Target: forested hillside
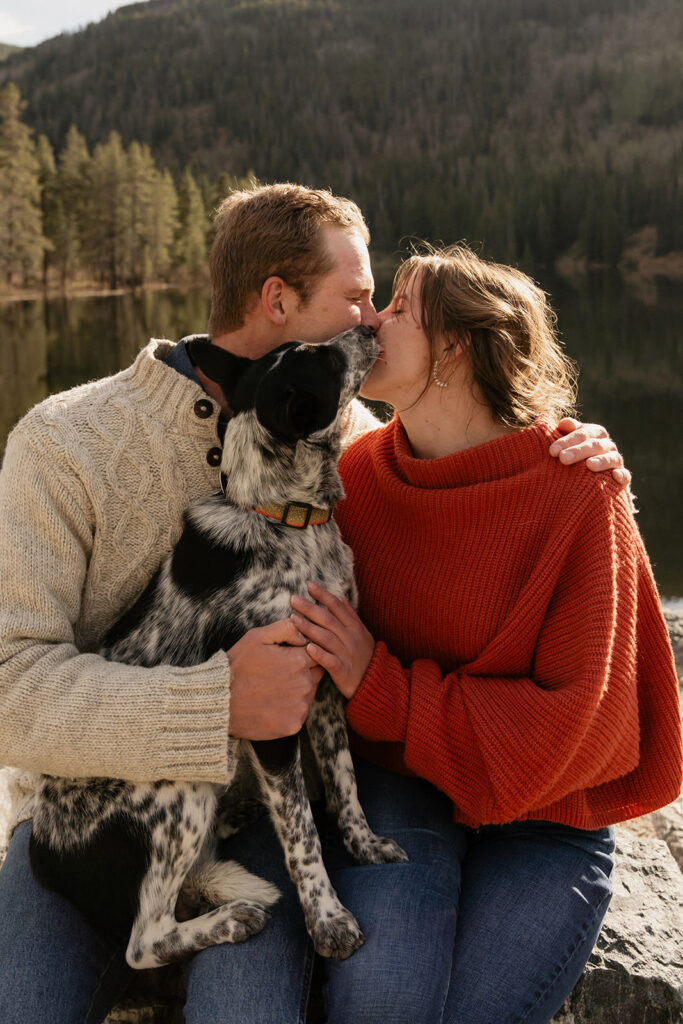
(6, 49)
(531, 125)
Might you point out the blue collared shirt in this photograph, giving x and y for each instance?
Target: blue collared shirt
(180, 360)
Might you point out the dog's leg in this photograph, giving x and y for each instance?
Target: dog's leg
(182, 826)
(232, 819)
(333, 929)
(326, 726)
(240, 804)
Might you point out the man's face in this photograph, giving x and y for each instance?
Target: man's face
(343, 297)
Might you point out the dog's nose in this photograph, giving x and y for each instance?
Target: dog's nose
(367, 332)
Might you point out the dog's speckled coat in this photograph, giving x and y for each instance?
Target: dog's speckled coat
(123, 851)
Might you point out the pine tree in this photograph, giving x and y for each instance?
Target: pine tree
(49, 202)
(107, 214)
(163, 224)
(190, 244)
(72, 189)
(142, 179)
(22, 242)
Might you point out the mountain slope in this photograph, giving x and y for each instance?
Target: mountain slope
(6, 49)
(496, 118)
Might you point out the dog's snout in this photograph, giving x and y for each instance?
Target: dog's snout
(365, 331)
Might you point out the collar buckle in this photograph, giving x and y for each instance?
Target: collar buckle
(299, 507)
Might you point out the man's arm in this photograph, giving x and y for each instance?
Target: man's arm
(356, 421)
(70, 713)
(591, 443)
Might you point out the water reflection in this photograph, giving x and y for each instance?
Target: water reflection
(629, 346)
(627, 341)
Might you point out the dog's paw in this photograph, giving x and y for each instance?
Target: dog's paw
(374, 849)
(247, 919)
(338, 936)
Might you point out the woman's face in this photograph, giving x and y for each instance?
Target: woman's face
(402, 368)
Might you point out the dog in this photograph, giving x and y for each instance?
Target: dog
(125, 852)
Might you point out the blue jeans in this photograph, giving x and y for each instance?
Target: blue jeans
(492, 926)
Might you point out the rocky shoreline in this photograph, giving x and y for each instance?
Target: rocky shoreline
(634, 974)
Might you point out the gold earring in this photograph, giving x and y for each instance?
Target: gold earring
(435, 375)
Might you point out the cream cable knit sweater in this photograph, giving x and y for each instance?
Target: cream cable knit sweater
(92, 490)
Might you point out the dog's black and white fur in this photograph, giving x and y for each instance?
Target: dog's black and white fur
(123, 851)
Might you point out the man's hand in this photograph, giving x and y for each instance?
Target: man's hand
(340, 641)
(591, 442)
(271, 686)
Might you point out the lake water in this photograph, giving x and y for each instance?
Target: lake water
(628, 342)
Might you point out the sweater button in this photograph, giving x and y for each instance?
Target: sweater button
(203, 408)
(214, 456)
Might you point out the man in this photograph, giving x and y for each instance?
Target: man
(92, 491)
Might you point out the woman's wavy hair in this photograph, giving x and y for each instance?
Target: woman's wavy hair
(505, 324)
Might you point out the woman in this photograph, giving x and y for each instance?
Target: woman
(509, 660)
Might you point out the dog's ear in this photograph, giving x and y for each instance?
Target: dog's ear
(296, 412)
(217, 363)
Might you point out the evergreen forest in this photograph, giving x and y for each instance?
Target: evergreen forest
(111, 216)
(531, 127)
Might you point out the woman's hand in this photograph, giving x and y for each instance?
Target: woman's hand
(591, 442)
(340, 642)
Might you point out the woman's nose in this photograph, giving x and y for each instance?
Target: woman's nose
(383, 315)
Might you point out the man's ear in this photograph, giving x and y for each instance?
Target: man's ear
(218, 364)
(297, 412)
(275, 300)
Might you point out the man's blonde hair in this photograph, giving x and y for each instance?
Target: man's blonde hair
(272, 230)
(504, 322)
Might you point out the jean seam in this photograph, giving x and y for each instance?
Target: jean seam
(306, 983)
(110, 961)
(447, 986)
(541, 995)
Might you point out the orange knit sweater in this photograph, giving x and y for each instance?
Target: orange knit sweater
(522, 663)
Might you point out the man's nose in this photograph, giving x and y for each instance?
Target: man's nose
(370, 317)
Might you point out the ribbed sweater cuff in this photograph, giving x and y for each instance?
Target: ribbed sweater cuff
(193, 724)
(446, 754)
(379, 708)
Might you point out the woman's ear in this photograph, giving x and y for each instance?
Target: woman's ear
(455, 349)
(459, 343)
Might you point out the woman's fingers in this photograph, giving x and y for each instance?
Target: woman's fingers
(317, 634)
(341, 609)
(330, 662)
(328, 612)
